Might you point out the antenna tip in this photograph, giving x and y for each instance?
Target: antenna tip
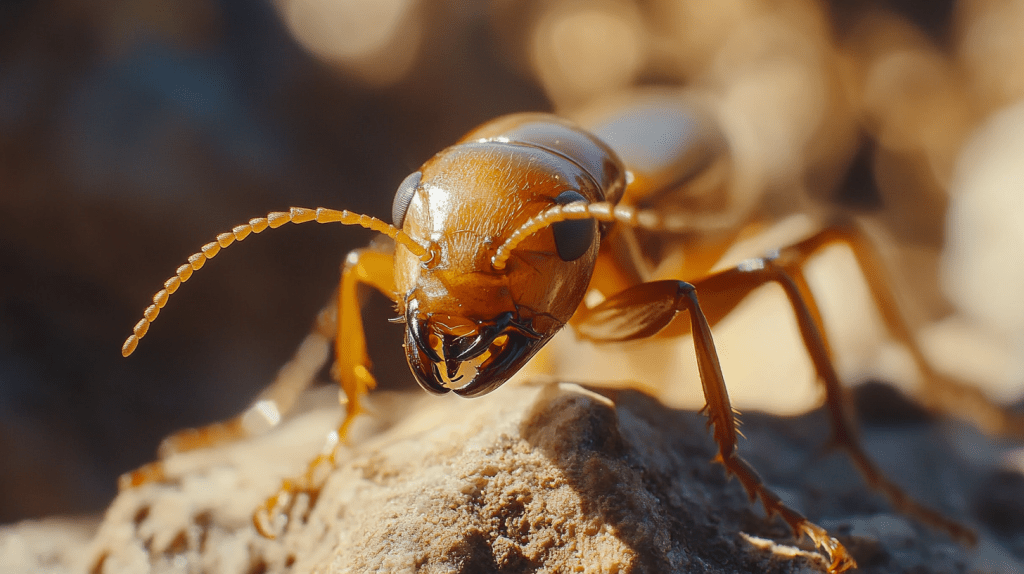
(129, 345)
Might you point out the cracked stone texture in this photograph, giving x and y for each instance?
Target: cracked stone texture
(547, 478)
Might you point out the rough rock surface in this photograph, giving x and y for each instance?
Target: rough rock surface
(550, 478)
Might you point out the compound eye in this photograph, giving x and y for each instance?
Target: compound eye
(573, 238)
(403, 197)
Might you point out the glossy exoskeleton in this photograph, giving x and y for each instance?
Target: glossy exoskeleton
(499, 239)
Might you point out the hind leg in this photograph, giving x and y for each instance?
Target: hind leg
(939, 392)
(645, 309)
(844, 432)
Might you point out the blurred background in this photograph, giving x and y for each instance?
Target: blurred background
(134, 131)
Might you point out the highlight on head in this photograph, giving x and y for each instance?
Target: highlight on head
(272, 220)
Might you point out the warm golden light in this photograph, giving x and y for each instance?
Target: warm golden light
(581, 49)
(375, 41)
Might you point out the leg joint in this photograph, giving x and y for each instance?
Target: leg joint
(351, 259)
(775, 270)
(684, 289)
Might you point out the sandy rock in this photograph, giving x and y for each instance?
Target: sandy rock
(54, 545)
(556, 478)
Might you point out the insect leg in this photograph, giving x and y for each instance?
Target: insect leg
(352, 366)
(644, 309)
(940, 392)
(351, 370)
(263, 414)
(743, 279)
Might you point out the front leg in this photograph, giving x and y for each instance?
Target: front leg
(352, 371)
(645, 309)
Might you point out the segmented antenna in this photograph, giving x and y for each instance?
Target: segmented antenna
(601, 211)
(257, 225)
(605, 211)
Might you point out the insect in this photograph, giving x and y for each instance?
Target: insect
(498, 243)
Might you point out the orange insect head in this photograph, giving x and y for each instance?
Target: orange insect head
(470, 325)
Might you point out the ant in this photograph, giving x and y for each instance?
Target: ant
(498, 243)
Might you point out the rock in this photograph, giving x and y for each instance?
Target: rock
(50, 545)
(553, 478)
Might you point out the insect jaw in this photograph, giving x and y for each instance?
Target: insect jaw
(481, 360)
